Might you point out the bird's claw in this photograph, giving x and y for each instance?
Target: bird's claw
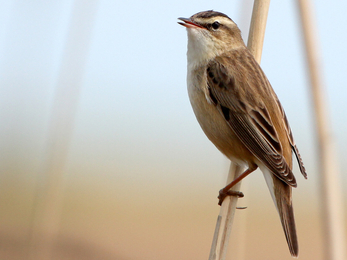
(223, 194)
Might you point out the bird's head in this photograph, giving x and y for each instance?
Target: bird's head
(210, 34)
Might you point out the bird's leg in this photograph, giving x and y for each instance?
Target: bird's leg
(226, 190)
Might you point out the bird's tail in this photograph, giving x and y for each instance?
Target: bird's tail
(282, 196)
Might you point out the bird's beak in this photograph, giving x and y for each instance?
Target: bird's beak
(189, 23)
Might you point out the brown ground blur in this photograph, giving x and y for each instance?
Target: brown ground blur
(100, 222)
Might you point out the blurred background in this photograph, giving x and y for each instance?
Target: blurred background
(93, 106)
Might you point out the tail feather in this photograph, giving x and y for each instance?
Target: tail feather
(286, 212)
(282, 196)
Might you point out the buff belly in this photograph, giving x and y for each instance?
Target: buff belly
(215, 126)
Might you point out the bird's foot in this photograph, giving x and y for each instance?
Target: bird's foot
(223, 194)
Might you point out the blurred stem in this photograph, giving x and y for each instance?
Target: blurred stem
(49, 198)
(330, 184)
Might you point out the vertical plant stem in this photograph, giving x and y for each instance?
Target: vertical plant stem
(226, 215)
(330, 184)
(225, 218)
(49, 198)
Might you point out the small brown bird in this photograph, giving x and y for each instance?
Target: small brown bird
(239, 111)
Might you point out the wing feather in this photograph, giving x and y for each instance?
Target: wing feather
(292, 143)
(248, 118)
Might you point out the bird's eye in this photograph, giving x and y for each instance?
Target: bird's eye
(215, 25)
